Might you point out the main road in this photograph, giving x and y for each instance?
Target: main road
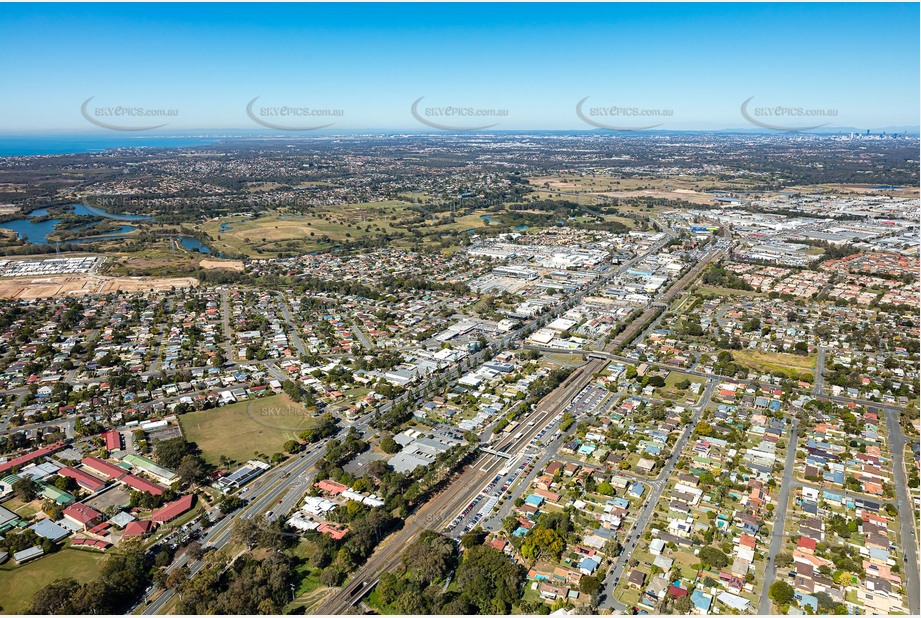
(277, 481)
(264, 492)
(435, 512)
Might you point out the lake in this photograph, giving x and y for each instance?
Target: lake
(36, 232)
(82, 209)
(190, 243)
(193, 244)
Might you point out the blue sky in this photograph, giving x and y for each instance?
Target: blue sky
(699, 62)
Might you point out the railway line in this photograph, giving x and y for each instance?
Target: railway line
(661, 304)
(434, 514)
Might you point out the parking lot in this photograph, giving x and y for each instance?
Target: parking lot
(588, 400)
(117, 497)
(488, 499)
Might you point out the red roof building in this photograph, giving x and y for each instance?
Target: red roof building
(113, 440)
(84, 480)
(111, 471)
(32, 456)
(101, 529)
(174, 509)
(82, 515)
(806, 544)
(498, 544)
(103, 467)
(732, 581)
(334, 531)
(91, 543)
(139, 527)
(748, 540)
(136, 482)
(331, 487)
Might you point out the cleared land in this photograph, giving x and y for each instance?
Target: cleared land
(568, 360)
(281, 231)
(155, 258)
(228, 264)
(704, 290)
(18, 584)
(574, 187)
(845, 189)
(77, 285)
(241, 430)
(770, 362)
(671, 390)
(153, 263)
(160, 260)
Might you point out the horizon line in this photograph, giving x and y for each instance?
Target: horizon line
(430, 131)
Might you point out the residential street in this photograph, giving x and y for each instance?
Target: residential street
(658, 485)
(777, 527)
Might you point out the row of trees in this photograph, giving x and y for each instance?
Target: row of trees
(121, 578)
(487, 582)
(250, 586)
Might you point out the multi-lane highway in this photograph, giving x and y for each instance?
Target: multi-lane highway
(262, 494)
(272, 487)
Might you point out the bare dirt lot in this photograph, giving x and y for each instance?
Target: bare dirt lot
(229, 264)
(845, 189)
(79, 285)
(586, 187)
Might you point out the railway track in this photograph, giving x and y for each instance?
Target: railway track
(637, 326)
(434, 514)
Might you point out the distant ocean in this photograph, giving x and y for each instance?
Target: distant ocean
(30, 145)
